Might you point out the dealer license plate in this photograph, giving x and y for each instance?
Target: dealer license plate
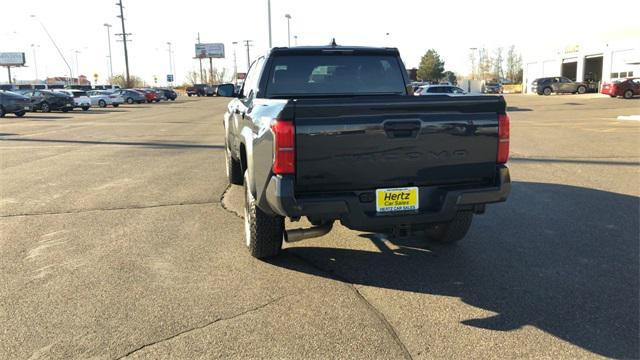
(397, 199)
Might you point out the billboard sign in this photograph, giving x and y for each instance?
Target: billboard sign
(12, 59)
(215, 50)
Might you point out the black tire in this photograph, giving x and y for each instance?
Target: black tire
(149, 101)
(20, 113)
(233, 168)
(116, 105)
(66, 110)
(546, 91)
(102, 103)
(129, 100)
(189, 95)
(174, 99)
(45, 107)
(2, 112)
(613, 95)
(582, 90)
(628, 94)
(263, 233)
(157, 100)
(453, 231)
(85, 108)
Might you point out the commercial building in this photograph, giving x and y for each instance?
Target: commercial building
(596, 62)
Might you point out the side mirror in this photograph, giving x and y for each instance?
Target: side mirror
(225, 90)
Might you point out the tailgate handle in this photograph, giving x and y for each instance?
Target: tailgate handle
(397, 129)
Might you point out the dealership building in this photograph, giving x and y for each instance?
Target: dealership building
(596, 62)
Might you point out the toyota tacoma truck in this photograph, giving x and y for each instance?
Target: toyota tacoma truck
(333, 133)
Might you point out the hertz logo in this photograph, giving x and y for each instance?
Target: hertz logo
(412, 155)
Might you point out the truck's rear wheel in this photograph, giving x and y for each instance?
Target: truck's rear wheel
(233, 167)
(262, 232)
(628, 94)
(452, 231)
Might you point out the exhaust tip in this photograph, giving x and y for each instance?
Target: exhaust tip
(295, 235)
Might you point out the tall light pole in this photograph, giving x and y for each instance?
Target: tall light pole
(77, 65)
(295, 40)
(55, 45)
(35, 62)
(288, 29)
(235, 63)
(108, 26)
(269, 21)
(170, 60)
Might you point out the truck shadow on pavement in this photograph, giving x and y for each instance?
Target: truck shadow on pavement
(561, 258)
(155, 144)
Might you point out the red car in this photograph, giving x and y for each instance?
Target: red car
(627, 88)
(149, 95)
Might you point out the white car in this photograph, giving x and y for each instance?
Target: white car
(80, 98)
(438, 90)
(104, 98)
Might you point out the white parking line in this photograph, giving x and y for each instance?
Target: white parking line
(629, 118)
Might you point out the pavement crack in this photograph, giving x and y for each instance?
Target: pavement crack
(378, 314)
(133, 207)
(200, 327)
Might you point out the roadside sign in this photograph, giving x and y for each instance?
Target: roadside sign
(241, 76)
(12, 59)
(215, 50)
(170, 78)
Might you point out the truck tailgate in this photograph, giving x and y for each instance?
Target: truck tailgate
(373, 142)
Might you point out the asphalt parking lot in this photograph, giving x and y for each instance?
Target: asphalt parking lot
(119, 237)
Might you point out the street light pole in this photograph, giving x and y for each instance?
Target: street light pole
(108, 26)
(247, 43)
(55, 45)
(235, 63)
(269, 21)
(170, 61)
(288, 29)
(77, 66)
(35, 62)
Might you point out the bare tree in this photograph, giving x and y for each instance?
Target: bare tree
(484, 63)
(514, 65)
(120, 80)
(192, 77)
(217, 76)
(497, 64)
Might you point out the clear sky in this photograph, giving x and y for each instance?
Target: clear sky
(451, 27)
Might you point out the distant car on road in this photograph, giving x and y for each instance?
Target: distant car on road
(80, 98)
(11, 102)
(47, 100)
(557, 84)
(438, 90)
(193, 91)
(104, 98)
(492, 88)
(627, 88)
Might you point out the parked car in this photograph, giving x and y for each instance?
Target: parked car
(149, 95)
(353, 145)
(438, 90)
(11, 102)
(103, 98)
(48, 100)
(167, 94)
(627, 88)
(159, 94)
(80, 98)
(194, 91)
(557, 84)
(492, 88)
(131, 96)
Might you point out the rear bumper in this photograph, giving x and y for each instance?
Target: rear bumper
(356, 209)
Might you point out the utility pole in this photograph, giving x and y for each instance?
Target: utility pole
(247, 43)
(77, 66)
(200, 59)
(269, 21)
(288, 29)
(124, 41)
(9, 71)
(108, 26)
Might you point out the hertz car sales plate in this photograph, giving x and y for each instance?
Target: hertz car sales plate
(397, 199)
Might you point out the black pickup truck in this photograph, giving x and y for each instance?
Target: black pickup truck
(334, 133)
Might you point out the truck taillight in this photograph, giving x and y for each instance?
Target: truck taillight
(503, 139)
(284, 147)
